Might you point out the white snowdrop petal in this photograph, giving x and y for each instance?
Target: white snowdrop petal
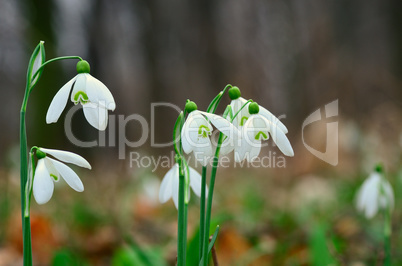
(195, 181)
(273, 119)
(79, 86)
(255, 151)
(227, 146)
(43, 185)
(166, 188)
(203, 151)
(186, 144)
(195, 124)
(222, 124)
(243, 115)
(59, 102)
(371, 189)
(241, 151)
(185, 135)
(280, 139)
(99, 93)
(54, 174)
(247, 141)
(68, 175)
(96, 115)
(67, 157)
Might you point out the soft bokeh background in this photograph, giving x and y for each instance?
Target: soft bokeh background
(293, 57)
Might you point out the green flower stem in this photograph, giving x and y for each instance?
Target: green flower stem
(244, 105)
(181, 257)
(183, 202)
(387, 237)
(53, 60)
(209, 204)
(26, 224)
(215, 102)
(185, 232)
(211, 109)
(202, 209)
(204, 259)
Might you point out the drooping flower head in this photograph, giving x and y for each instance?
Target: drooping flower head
(237, 103)
(197, 129)
(255, 129)
(375, 194)
(91, 93)
(170, 184)
(49, 170)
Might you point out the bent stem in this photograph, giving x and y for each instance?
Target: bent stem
(30, 84)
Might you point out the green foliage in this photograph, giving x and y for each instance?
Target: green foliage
(86, 217)
(319, 253)
(65, 257)
(133, 255)
(125, 257)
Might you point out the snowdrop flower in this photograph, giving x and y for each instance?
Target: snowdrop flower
(376, 193)
(49, 170)
(94, 96)
(197, 129)
(239, 121)
(170, 184)
(255, 129)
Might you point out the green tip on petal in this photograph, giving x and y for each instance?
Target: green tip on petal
(379, 168)
(234, 93)
(83, 67)
(40, 154)
(190, 106)
(253, 108)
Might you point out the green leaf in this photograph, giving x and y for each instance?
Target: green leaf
(211, 244)
(140, 255)
(193, 249)
(65, 257)
(318, 246)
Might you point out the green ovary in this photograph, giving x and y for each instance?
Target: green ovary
(204, 131)
(258, 136)
(81, 96)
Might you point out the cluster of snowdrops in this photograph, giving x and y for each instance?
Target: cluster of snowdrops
(241, 128)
